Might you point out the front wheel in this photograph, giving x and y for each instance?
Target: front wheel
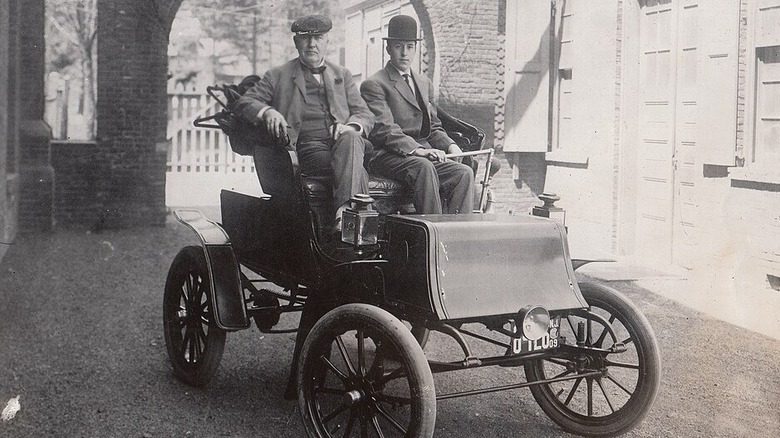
(362, 373)
(194, 342)
(618, 344)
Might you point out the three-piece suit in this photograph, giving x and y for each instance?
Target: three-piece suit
(311, 109)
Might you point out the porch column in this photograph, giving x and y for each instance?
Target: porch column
(36, 209)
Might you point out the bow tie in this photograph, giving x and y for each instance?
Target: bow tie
(317, 70)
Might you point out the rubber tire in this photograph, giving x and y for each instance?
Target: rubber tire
(371, 319)
(648, 379)
(190, 263)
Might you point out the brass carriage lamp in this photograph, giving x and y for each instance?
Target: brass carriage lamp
(549, 209)
(360, 222)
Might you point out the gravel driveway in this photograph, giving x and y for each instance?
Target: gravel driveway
(81, 343)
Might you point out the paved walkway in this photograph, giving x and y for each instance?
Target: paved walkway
(712, 290)
(756, 308)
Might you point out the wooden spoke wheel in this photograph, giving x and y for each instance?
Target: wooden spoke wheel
(363, 374)
(626, 360)
(194, 342)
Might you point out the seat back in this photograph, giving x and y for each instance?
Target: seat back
(272, 234)
(467, 136)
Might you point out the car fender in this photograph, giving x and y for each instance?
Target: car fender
(224, 272)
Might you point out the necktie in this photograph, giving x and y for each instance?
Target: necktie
(408, 80)
(425, 129)
(317, 70)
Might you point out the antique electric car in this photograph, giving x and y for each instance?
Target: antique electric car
(502, 287)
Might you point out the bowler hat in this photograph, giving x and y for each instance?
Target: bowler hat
(311, 25)
(402, 27)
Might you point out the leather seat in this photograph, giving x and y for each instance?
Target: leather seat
(389, 196)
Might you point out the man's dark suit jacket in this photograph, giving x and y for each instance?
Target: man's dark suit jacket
(399, 118)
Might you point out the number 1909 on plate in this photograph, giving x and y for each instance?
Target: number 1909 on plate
(549, 340)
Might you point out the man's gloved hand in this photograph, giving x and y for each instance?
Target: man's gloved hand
(275, 123)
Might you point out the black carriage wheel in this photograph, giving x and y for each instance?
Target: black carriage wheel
(617, 399)
(194, 342)
(362, 373)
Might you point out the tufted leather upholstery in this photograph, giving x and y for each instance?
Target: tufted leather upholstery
(390, 196)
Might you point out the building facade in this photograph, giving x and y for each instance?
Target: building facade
(664, 132)
(656, 121)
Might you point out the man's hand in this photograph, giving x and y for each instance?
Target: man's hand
(339, 129)
(455, 149)
(275, 123)
(431, 154)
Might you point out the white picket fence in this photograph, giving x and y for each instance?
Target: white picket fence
(200, 162)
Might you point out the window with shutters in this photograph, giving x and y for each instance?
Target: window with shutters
(761, 153)
(766, 138)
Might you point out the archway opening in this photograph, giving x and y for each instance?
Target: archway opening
(217, 43)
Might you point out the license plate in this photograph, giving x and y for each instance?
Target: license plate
(549, 340)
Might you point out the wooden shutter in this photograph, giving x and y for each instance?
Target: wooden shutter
(767, 19)
(527, 75)
(717, 81)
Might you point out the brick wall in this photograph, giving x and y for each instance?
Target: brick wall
(36, 176)
(468, 46)
(84, 173)
(9, 123)
(6, 219)
(466, 40)
(742, 75)
(131, 108)
(519, 182)
(11, 100)
(5, 56)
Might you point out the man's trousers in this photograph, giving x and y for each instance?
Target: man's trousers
(341, 160)
(439, 187)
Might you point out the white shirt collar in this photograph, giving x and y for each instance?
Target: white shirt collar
(306, 67)
(401, 72)
(411, 84)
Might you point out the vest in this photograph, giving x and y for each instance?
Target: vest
(316, 118)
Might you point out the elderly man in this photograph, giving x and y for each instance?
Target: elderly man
(408, 132)
(317, 106)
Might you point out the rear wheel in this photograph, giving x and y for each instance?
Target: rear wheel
(194, 342)
(362, 374)
(620, 345)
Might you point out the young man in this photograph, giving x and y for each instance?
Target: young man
(411, 141)
(317, 106)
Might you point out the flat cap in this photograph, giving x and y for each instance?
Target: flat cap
(311, 25)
